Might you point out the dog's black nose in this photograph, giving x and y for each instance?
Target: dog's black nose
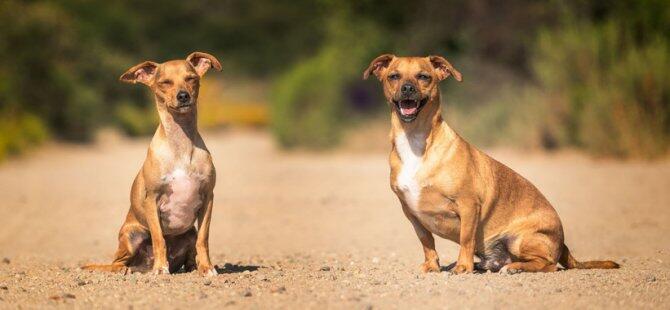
(183, 97)
(408, 89)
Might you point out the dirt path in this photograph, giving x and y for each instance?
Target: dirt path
(315, 230)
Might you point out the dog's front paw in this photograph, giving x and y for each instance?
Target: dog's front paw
(430, 266)
(207, 270)
(161, 270)
(461, 269)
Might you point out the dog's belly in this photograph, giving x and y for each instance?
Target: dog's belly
(180, 203)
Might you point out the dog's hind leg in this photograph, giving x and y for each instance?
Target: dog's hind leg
(131, 237)
(533, 265)
(537, 252)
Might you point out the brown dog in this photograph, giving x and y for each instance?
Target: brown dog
(174, 186)
(449, 188)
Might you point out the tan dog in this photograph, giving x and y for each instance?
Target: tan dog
(174, 186)
(449, 188)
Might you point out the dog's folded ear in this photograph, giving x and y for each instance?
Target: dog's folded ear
(143, 73)
(444, 69)
(202, 62)
(378, 65)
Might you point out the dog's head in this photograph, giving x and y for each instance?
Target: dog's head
(176, 82)
(411, 82)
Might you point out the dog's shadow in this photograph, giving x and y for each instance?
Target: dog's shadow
(235, 268)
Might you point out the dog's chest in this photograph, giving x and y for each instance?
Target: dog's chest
(180, 201)
(410, 149)
(419, 192)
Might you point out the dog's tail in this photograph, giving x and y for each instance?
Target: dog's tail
(570, 262)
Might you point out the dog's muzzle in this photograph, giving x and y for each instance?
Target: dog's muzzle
(182, 107)
(408, 109)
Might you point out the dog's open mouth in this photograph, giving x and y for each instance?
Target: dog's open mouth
(409, 108)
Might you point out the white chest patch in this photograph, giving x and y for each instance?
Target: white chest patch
(179, 172)
(410, 149)
(181, 201)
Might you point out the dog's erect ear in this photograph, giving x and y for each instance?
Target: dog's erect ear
(143, 73)
(378, 65)
(444, 69)
(202, 62)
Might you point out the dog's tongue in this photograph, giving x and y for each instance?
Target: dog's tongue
(407, 111)
(408, 107)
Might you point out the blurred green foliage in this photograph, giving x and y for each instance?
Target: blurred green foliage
(135, 120)
(19, 132)
(612, 90)
(600, 82)
(315, 99)
(580, 73)
(60, 59)
(309, 103)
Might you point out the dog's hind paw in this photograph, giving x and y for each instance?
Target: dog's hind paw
(505, 270)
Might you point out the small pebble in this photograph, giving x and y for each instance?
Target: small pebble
(63, 296)
(278, 289)
(325, 268)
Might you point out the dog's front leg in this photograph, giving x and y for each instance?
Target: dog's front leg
(205, 267)
(468, 211)
(432, 260)
(157, 240)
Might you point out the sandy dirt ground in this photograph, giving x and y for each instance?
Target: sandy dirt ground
(305, 230)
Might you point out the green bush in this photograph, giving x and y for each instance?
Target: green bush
(597, 87)
(613, 92)
(54, 70)
(20, 132)
(306, 104)
(308, 101)
(136, 121)
(514, 117)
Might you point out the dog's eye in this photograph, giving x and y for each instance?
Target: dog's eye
(190, 79)
(394, 76)
(165, 82)
(423, 77)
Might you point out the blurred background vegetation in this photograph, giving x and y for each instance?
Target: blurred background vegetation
(586, 74)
